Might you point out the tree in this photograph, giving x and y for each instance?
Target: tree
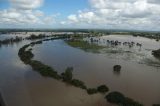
(91, 91)
(117, 68)
(67, 75)
(103, 89)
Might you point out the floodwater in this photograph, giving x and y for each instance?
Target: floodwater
(138, 79)
(141, 54)
(21, 86)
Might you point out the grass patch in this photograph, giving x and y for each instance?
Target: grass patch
(84, 45)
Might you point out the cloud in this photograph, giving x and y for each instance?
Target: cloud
(49, 20)
(26, 4)
(154, 1)
(72, 18)
(25, 13)
(14, 16)
(122, 14)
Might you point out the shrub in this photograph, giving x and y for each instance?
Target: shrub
(25, 56)
(34, 37)
(120, 99)
(115, 97)
(156, 53)
(37, 42)
(117, 68)
(44, 70)
(78, 83)
(102, 89)
(67, 75)
(91, 91)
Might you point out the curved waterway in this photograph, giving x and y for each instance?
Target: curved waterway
(136, 80)
(21, 86)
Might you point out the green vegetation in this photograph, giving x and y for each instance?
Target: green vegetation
(11, 40)
(102, 89)
(47, 71)
(43, 69)
(24, 55)
(67, 75)
(19, 39)
(117, 68)
(34, 37)
(84, 45)
(115, 97)
(27, 55)
(91, 91)
(147, 35)
(156, 53)
(78, 83)
(120, 99)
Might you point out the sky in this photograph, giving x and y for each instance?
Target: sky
(101, 14)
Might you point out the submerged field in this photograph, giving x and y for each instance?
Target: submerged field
(93, 64)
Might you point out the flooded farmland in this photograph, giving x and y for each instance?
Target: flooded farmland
(138, 79)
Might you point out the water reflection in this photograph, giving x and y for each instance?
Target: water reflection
(117, 73)
(12, 81)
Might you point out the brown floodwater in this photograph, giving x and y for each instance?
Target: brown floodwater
(21, 86)
(138, 79)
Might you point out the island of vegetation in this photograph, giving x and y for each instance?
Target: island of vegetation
(84, 45)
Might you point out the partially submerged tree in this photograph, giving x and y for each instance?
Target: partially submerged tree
(120, 99)
(91, 91)
(156, 53)
(102, 89)
(78, 83)
(67, 75)
(117, 68)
